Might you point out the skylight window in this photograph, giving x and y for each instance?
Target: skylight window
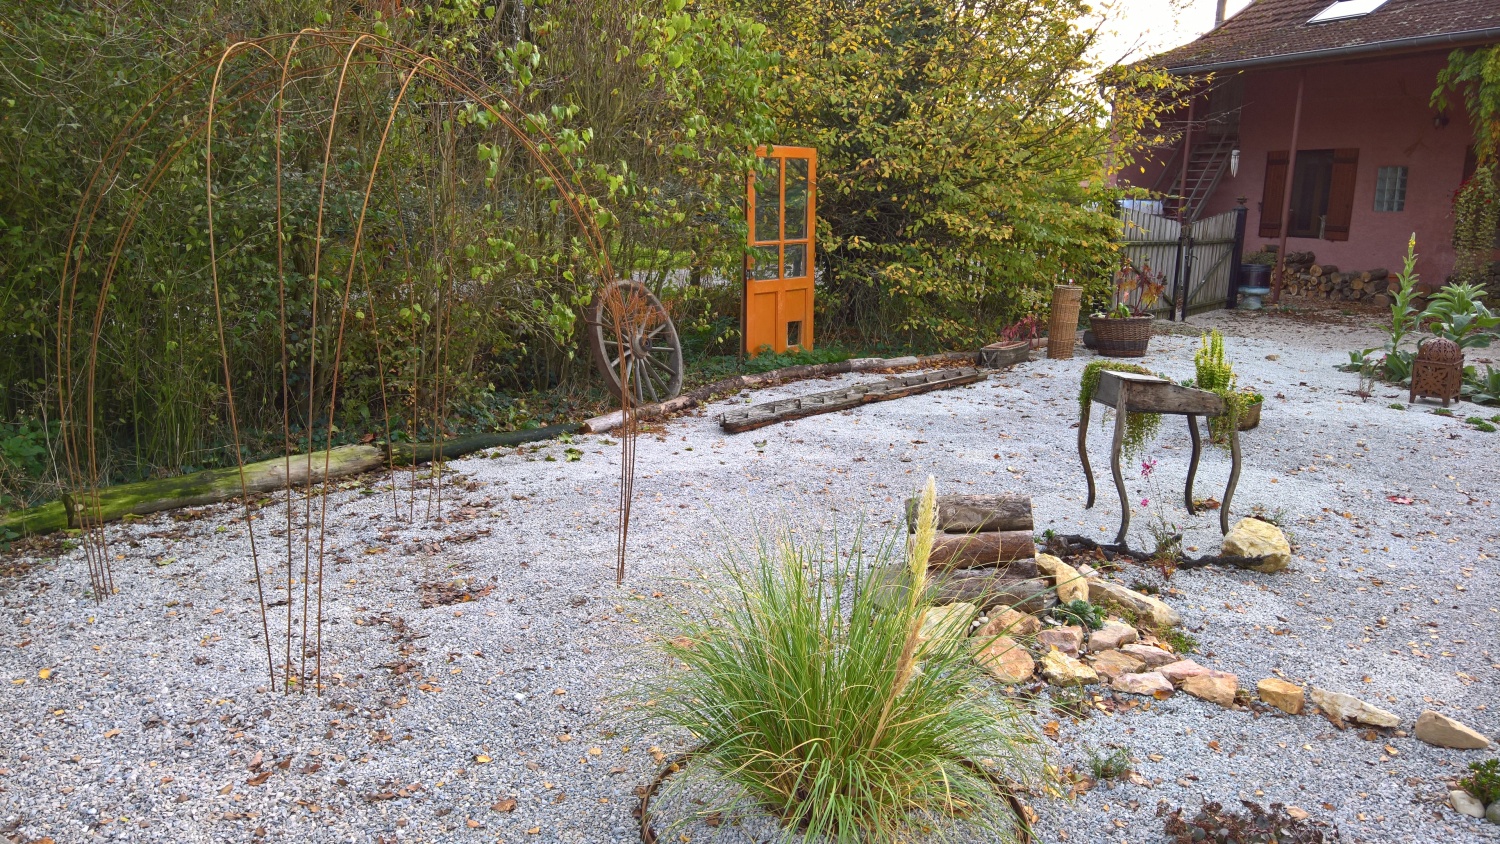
(1347, 9)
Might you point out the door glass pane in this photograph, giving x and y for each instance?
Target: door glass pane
(768, 202)
(796, 257)
(763, 263)
(796, 199)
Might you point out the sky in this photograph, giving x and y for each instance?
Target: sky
(1139, 28)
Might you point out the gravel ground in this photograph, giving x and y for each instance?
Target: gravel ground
(155, 724)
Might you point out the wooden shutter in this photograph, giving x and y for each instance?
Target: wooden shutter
(1273, 193)
(1341, 194)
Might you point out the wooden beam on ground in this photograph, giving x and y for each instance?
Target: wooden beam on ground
(783, 410)
(973, 513)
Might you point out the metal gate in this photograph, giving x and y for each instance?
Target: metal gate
(1200, 261)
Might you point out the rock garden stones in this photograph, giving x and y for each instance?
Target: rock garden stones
(1466, 804)
(1068, 639)
(1068, 581)
(1287, 697)
(1112, 636)
(1153, 656)
(1005, 660)
(1252, 537)
(1441, 731)
(1339, 708)
(1178, 672)
(1150, 683)
(1112, 664)
(1062, 670)
(1213, 686)
(1144, 606)
(1006, 621)
(952, 620)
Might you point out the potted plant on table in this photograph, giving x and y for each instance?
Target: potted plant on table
(1125, 331)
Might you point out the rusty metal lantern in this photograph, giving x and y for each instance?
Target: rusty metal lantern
(1438, 371)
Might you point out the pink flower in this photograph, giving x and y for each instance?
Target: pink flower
(1147, 467)
(1145, 502)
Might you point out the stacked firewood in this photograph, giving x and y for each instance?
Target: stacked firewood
(1304, 276)
(984, 553)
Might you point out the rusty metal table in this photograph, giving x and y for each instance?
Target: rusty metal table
(1128, 392)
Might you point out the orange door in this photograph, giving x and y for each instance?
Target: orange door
(779, 266)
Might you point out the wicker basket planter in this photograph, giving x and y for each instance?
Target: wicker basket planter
(1121, 338)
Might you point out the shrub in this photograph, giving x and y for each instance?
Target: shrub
(810, 690)
(1483, 781)
(1080, 612)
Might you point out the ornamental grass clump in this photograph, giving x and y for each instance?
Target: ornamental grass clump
(811, 692)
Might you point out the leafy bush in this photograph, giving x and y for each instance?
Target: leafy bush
(1108, 765)
(810, 689)
(1483, 781)
(1216, 825)
(1457, 312)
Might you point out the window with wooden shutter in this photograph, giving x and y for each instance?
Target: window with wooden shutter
(1341, 194)
(1273, 193)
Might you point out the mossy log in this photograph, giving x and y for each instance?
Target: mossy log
(218, 485)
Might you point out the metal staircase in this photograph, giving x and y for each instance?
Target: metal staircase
(1207, 164)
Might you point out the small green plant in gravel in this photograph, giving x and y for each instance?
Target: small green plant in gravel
(1441, 411)
(809, 688)
(1483, 781)
(1080, 612)
(1256, 825)
(1108, 765)
(1480, 424)
(1070, 701)
(1181, 641)
(1397, 406)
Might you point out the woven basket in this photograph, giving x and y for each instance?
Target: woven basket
(1121, 338)
(1062, 330)
(1250, 416)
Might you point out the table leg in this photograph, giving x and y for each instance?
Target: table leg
(1114, 465)
(1083, 453)
(1234, 479)
(1187, 493)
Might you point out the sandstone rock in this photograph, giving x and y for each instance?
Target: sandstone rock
(1144, 606)
(1153, 656)
(1441, 731)
(1111, 664)
(1215, 687)
(1006, 660)
(1179, 671)
(1279, 693)
(1063, 670)
(1492, 814)
(1070, 584)
(1005, 621)
(1149, 683)
(1465, 803)
(1255, 538)
(1066, 639)
(952, 620)
(1111, 636)
(1340, 707)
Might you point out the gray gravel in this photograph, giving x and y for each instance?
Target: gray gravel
(1394, 603)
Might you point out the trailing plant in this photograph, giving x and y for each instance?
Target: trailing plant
(1263, 257)
(1475, 76)
(1483, 781)
(1140, 428)
(810, 689)
(1476, 219)
(1213, 824)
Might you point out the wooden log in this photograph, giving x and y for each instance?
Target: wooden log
(1357, 283)
(218, 485)
(761, 415)
(972, 550)
(1378, 273)
(973, 513)
(986, 589)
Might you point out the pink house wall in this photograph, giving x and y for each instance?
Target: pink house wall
(1380, 107)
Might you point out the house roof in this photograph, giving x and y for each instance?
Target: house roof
(1277, 32)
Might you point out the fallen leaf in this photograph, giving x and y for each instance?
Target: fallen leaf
(45, 674)
(473, 824)
(112, 733)
(506, 805)
(1398, 499)
(480, 760)
(259, 779)
(1297, 813)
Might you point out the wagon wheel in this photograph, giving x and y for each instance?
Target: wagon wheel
(637, 328)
